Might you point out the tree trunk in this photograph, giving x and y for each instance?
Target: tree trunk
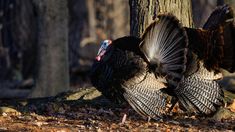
(91, 19)
(52, 77)
(112, 19)
(25, 37)
(143, 12)
(119, 15)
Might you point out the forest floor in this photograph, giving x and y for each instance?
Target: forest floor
(86, 110)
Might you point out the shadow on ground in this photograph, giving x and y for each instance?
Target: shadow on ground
(87, 109)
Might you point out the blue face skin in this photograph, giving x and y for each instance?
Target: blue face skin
(102, 50)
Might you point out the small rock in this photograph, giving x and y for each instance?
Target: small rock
(3, 129)
(91, 95)
(5, 110)
(61, 110)
(174, 122)
(223, 113)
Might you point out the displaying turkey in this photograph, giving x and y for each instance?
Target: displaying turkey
(123, 71)
(168, 60)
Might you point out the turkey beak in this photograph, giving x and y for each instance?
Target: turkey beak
(100, 50)
(100, 53)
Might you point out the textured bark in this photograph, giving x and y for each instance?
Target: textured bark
(91, 19)
(53, 72)
(144, 12)
(24, 32)
(5, 42)
(112, 18)
(120, 17)
(17, 43)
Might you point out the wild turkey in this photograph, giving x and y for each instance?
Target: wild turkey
(142, 71)
(124, 72)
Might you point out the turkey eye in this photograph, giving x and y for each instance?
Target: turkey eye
(106, 45)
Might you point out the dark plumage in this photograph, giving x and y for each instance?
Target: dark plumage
(210, 49)
(119, 63)
(215, 43)
(131, 71)
(168, 59)
(123, 73)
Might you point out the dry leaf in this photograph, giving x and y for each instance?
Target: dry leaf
(232, 106)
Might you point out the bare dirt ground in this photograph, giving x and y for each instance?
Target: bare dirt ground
(87, 111)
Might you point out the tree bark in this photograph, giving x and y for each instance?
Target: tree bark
(91, 19)
(53, 75)
(119, 15)
(143, 12)
(112, 19)
(24, 32)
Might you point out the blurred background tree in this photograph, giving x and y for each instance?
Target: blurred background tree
(52, 75)
(47, 38)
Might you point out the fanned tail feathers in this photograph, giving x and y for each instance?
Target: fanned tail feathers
(164, 45)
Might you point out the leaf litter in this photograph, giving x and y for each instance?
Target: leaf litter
(59, 114)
